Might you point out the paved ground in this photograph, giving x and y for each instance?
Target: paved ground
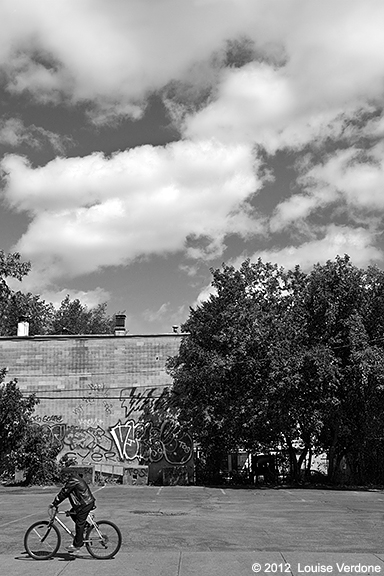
(183, 531)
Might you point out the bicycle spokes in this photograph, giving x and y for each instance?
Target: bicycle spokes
(42, 540)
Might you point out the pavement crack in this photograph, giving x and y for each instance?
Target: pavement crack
(63, 568)
(286, 563)
(179, 565)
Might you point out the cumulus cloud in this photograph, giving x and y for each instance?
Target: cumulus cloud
(13, 133)
(355, 174)
(352, 180)
(331, 240)
(206, 293)
(312, 76)
(97, 211)
(89, 298)
(111, 53)
(333, 70)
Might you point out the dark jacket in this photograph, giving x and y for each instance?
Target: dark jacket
(78, 492)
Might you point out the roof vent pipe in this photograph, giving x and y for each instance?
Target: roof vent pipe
(120, 325)
(23, 326)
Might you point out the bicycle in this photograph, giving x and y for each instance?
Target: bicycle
(42, 540)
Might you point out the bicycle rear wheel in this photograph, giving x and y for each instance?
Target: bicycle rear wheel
(104, 541)
(42, 540)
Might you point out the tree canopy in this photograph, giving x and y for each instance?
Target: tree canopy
(71, 317)
(279, 359)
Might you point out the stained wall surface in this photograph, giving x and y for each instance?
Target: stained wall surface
(92, 392)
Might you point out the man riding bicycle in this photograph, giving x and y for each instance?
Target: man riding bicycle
(81, 498)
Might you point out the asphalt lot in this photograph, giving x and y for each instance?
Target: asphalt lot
(168, 524)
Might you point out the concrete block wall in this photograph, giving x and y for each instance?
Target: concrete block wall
(92, 392)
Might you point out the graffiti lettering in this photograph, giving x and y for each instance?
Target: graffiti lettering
(48, 418)
(149, 443)
(136, 399)
(124, 437)
(108, 407)
(95, 391)
(90, 422)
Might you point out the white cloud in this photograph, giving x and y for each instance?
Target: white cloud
(356, 175)
(351, 179)
(111, 53)
(13, 133)
(96, 211)
(333, 69)
(205, 294)
(331, 241)
(36, 284)
(154, 315)
(91, 212)
(89, 298)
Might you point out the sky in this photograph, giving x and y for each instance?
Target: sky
(144, 142)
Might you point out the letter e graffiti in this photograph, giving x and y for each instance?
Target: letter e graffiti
(124, 438)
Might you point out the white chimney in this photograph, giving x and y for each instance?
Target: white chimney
(23, 326)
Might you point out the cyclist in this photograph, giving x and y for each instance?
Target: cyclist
(81, 499)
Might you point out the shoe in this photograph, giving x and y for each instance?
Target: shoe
(72, 548)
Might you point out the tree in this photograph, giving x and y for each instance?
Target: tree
(23, 445)
(73, 317)
(39, 313)
(36, 455)
(345, 307)
(11, 266)
(240, 372)
(15, 415)
(283, 359)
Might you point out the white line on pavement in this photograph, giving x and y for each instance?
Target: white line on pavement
(94, 491)
(19, 519)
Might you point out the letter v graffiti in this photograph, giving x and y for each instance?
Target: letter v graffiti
(124, 438)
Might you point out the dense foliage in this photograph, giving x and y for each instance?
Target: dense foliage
(23, 446)
(71, 317)
(278, 359)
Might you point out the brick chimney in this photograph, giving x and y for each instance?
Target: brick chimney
(120, 325)
(23, 326)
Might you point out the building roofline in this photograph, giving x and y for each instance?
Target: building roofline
(92, 336)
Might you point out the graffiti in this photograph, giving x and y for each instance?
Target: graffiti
(54, 433)
(129, 439)
(136, 476)
(95, 392)
(108, 407)
(91, 443)
(177, 443)
(90, 422)
(48, 418)
(124, 437)
(135, 399)
(84, 443)
(150, 443)
(78, 410)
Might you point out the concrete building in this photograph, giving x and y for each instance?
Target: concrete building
(93, 390)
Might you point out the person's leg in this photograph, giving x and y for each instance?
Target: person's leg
(80, 520)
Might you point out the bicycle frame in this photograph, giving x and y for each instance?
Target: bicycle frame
(90, 520)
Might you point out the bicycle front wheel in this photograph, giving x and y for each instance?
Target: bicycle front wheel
(42, 540)
(103, 541)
